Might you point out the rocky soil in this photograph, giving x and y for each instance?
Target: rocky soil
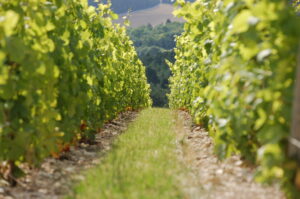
(56, 176)
(209, 178)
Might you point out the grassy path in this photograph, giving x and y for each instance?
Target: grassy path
(161, 155)
(143, 163)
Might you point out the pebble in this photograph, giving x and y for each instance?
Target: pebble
(44, 191)
(70, 169)
(79, 177)
(2, 190)
(219, 172)
(238, 163)
(3, 183)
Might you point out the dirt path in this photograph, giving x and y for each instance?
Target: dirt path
(55, 177)
(209, 178)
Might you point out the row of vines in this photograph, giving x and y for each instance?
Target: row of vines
(65, 69)
(234, 71)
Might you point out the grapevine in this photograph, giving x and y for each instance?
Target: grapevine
(235, 71)
(65, 69)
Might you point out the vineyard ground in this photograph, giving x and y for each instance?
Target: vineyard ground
(142, 165)
(210, 178)
(160, 155)
(56, 176)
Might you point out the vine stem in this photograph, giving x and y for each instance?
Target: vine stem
(294, 149)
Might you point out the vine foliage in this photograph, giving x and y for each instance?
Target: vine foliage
(65, 69)
(235, 71)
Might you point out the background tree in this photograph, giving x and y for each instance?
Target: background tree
(155, 45)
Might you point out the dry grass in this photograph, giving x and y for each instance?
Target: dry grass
(154, 16)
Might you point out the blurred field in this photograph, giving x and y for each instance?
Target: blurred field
(154, 16)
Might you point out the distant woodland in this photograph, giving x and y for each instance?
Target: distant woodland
(155, 45)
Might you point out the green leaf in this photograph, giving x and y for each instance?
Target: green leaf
(241, 22)
(9, 22)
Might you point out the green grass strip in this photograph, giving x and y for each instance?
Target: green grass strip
(141, 165)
